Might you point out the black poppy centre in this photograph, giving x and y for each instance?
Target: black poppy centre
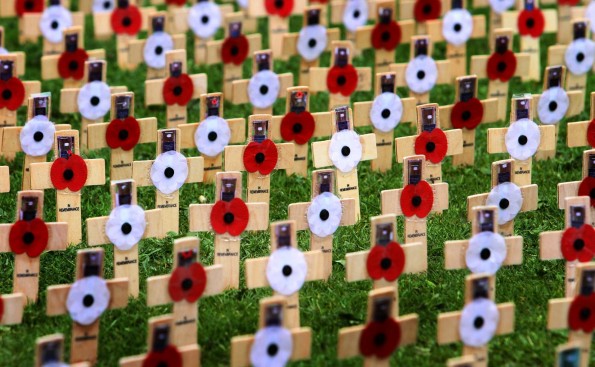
(478, 322)
(504, 203)
(427, 9)
(585, 314)
(530, 23)
(38, 136)
(259, 157)
(126, 228)
(187, 284)
(94, 101)
(272, 349)
(457, 27)
(553, 106)
(297, 128)
(55, 24)
(73, 65)
(158, 50)
(386, 263)
(356, 14)
(68, 174)
(580, 57)
(264, 89)
(287, 270)
(485, 254)
(421, 74)
(107, 5)
(379, 339)
(177, 90)
(29, 5)
(501, 66)
(123, 134)
(312, 43)
(88, 300)
(28, 238)
(169, 172)
(6, 94)
(430, 146)
(385, 113)
(578, 244)
(204, 19)
(466, 115)
(126, 21)
(523, 140)
(345, 151)
(228, 218)
(234, 50)
(592, 193)
(416, 201)
(341, 80)
(212, 136)
(385, 36)
(324, 214)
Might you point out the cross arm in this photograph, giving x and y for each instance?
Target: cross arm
(557, 315)
(58, 294)
(241, 345)
(566, 190)
(497, 138)
(556, 55)
(390, 201)
(363, 35)
(96, 133)
(361, 111)
(364, 79)
(509, 20)
(96, 228)
(31, 87)
(11, 141)
(57, 236)
(96, 172)
(136, 48)
(196, 169)
(320, 154)
(405, 146)
(239, 90)
(440, 196)
(40, 176)
(49, 63)
(154, 89)
(190, 355)
(234, 156)
(455, 251)
(549, 245)
(140, 172)
(296, 212)
(20, 62)
(199, 215)
(259, 216)
(323, 127)
(14, 305)
(490, 109)
(434, 28)
(577, 134)
(256, 272)
(318, 78)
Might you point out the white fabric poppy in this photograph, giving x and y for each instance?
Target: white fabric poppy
(100, 6)
(55, 364)
(522, 139)
(386, 111)
(37, 136)
(54, 20)
(263, 89)
(204, 18)
(479, 322)
(155, 48)
(242, 3)
(312, 42)
(94, 100)
(486, 253)
(552, 105)
(212, 135)
(272, 347)
(169, 171)
(457, 26)
(3, 51)
(324, 214)
(508, 198)
(355, 14)
(421, 74)
(287, 270)
(125, 226)
(345, 150)
(500, 6)
(87, 299)
(590, 14)
(579, 56)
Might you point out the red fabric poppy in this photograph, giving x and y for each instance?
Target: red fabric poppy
(386, 35)
(591, 133)
(176, 2)
(281, 8)
(69, 173)
(123, 134)
(417, 199)
(568, 2)
(187, 282)
(578, 243)
(432, 144)
(587, 188)
(178, 90)
(126, 20)
(71, 64)
(466, 115)
(581, 315)
(168, 356)
(234, 50)
(12, 93)
(531, 22)
(28, 236)
(298, 127)
(342, 80)
(386, 261)
(427, 10)
(28, 6)
(261, 157)
(501, 66)
(230, 217)
(380, 339)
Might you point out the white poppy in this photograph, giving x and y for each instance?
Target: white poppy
(355, 14)
(508, 198)
(263, 89)
(590, 14)
(522, 139)
(421, 74)
(457, 26)
(345, 150)
(272, 347)
(386, 111)
(169, 172)
(55, 364)
(500, 6)
(54, 20)
(324, 214)
(204, 18)
(287, 270)
(100, 6)
(125, 226)
(211, 136)
(37, 136)
(155, 48)
(242, 3)
(87, 299)
(579, 56)
(486, 253)
(312, 42)
(94, 100)
(552, 105)
(3, 51)
(479, 322)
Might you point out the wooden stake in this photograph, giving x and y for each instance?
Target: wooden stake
(570, 189)
(14, 308)
(49, 350)
(8, 69)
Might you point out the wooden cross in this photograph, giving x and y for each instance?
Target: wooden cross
(352, 14)
(49, 350)
(183, 289)
(12, 98)
(9, 9)
(344, 151)
(68, 174)
(582, 133)
(86, 300)
(585, 187)
(94, 6)
(273, 320)
(168, 172)
(122, 134)
(422, 12)
(125, 226)
(416, 199)
(20, 55)
(480, 320)
(384, 329)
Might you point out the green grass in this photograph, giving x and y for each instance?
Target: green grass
(325, 306)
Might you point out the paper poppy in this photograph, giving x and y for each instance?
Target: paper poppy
(522, 139)
(126, 20)
(417, 199)
(591, 133)
(421, 74)
(386, 36)
(579, 56)
(531, 22)
(28, 6)
(28, 236)
(187, 283)
(587, 188)
(71, 64)
(581, 315)
(355, 14)
(380, 338)
(312, 42)
(324, 214)
(578, 243)
(298, 127)
(457, 26)
(486, 252)
(230, 217)
(568, 2)
(12, 93)
(272, 347)
(176, 2)
(386, 111)
(501, 66)
(156, 47)
(508, 198)
(69, 173)
(479, 322)
(87, 299)
(467, 114)
(553, 105)
(263, 89)
(386, 262)
(281, 8)
(287, 270)
(168, 357)
(433, 144)
(100, 6)
(178, 90)
(261, 157)
(234, 50)
(126, 226)
(345, 150)
(54, 20)
(204, 18)
(427, 10)
(37, 136)
(169, 172)
(94, 100)
(342, 80)
(212, 135)
(122, 133)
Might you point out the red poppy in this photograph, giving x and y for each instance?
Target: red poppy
(281, 8)
(234, 50)
(427, 10)
(591, 133)
(12, 93)
(568, 2)
(467, 115)
(386, 35)
(417, 199)
(126, 20)
(178, 90)
(386, 261)
(298, 127)
(71, 64)
(187, 282)
(501, 66)
(230, 217)
(531, 22)
(581, 315)
(432, 144)
(69, 173)
(342, 80)
(587, 188)
(168, 356)
(28, 6)
(123, 133)
(380, 338)
(578, 243)
(176, 2)
(261, 157)
(28, 236)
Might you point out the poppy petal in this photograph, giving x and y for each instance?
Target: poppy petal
(126, 20)
(386, 36)
(433, 145)
(342, 80)
(241, 216)
(298, 127)
(578, 243)
(531, 22)
(427, 10)
(281, 8)
(178, 90)
(467, 114)
(29, 237)
(417, 199)
(591, 133)
(581, 315)
(13, 93)
(587, 188)
(234, 50)
(501, 66)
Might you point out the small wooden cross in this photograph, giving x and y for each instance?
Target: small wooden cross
(20, 55)
(86, 300)
(344, 151)
(49, 351)
(416, 199)
(582, 133)
(188, 282)
(480, 320)
(68, 174)
(275, 341)
(14, 308)
(352, 14)
(15, 94)
(423, 11)
(585, 187)
(383, 332)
